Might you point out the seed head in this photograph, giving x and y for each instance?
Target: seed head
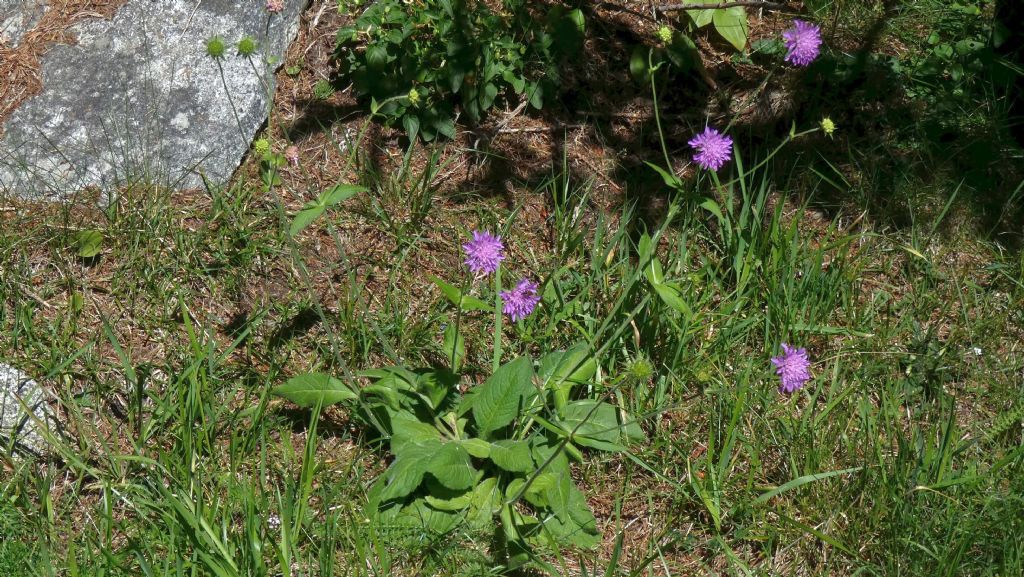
(215, 48)
(247, 46)
(827, 126)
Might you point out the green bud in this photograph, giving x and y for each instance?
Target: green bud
(261, 146)
(247, 46)
(665, 34)
(414, 97)
(215, 47)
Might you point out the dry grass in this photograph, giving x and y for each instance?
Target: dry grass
(20, 74)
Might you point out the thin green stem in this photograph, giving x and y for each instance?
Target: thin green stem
(497, 320)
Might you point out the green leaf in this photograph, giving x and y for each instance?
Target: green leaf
(386, 394)
(638, 67)
(536, 92)
(561, 370)
(330, 197)
(512, 456)
(731, 23)
(479, 448)
(500, 398)
(310, 212)
(420, 514)
(487, 98)
(411, 125)
(376, 56)
(486, 501)
(446, 127)
(574, 364)
(701, 18)
(406, 473)
(311, 388)
(800, 481)
(339, 193)
(408, 433)
(578, 527)
(671, 180)
(88, 243)
(459, 503)
(465, 302)
(597, 425)
(670, 295)
(435, 385)
(451, 466)
(654, 273)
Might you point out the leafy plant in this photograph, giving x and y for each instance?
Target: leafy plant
(730, 23)
(476, 459)
(421, 64)
(949, 69)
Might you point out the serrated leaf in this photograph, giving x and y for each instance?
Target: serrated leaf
(406, 473)
(560, 371)
(311, 388)
(500, 398)
(485, 502)
(435, 385)
(452, 467)
(410, 433)
(384, 392)
(88, 243)
(376, 56)
(578, 527)
(420, 514)
(479, 448)
(731, 23)
(512, 456)
(597, 425)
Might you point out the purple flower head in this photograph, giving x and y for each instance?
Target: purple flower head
(484, 253)
(275, 6)
(793, 368)
(803, 43)
(520, 301)
(713, 149)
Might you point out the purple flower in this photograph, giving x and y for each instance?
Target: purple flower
(792, 367)
(713, 149)
(520, 301)
(803, 42)
(275, 6)
(484, 252)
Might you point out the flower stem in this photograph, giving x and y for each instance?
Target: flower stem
(497, 319)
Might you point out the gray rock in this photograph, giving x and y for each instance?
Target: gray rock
(18, 17)
(15, 423)
(138, 99)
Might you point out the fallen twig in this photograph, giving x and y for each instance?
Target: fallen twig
(719, 5)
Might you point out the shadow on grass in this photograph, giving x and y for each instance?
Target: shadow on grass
(889, 148)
